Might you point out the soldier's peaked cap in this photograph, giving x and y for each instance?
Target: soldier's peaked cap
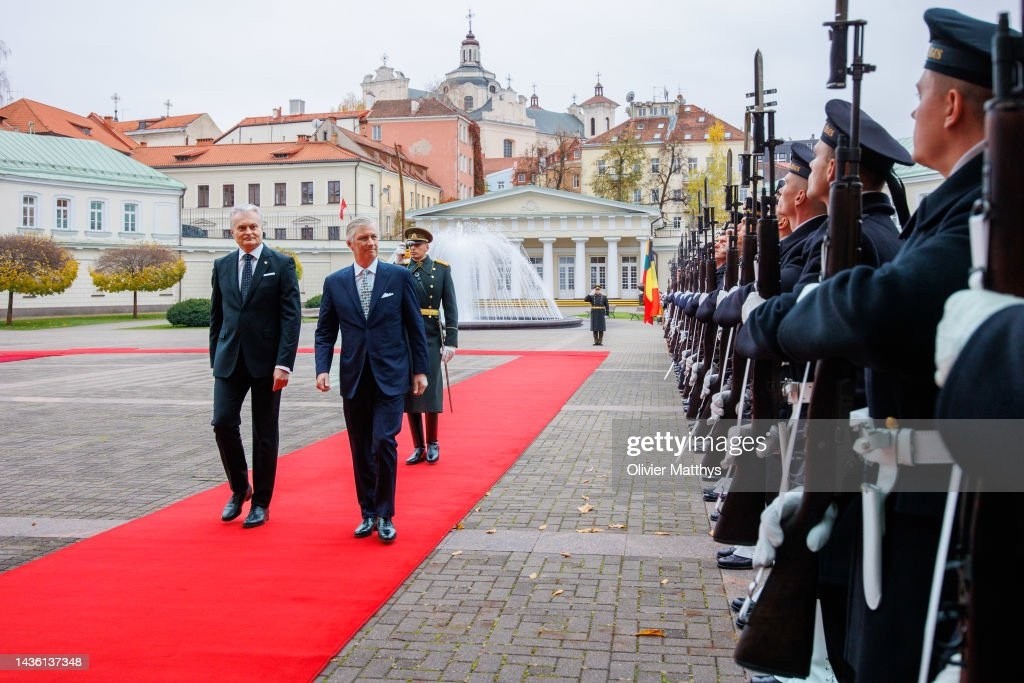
(799, 163)
(960, 46)
(418, 235)
(879, 150)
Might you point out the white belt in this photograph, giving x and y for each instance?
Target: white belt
(907, 447)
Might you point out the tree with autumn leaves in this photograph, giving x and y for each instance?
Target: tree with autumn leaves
(34, 265)
(715, 172)
(621, 168)
(142, 268)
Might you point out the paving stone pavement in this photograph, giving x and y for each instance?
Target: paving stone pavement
(517, 594)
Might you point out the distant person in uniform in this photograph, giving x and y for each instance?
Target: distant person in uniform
(599, 309)
(441, 322)
(255, 317)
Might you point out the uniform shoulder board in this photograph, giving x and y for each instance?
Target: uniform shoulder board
(443, 263)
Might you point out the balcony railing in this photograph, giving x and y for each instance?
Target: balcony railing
(277, 226)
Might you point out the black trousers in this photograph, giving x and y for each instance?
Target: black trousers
(373, 420)
(228, 395)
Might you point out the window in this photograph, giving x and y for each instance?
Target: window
(538, 265)
(677, 195)
(467, 103)
(691, 163)
(566, 273)
(637, 196)
(280, 194)
(63, 218)
(501, 184)
(576, 182)
(254, 194)
(598, 271)
(228, 199)
(677, 222)
(521, 178)
(373, 195)
(375, 132)
(95, 215)
(592, 127)
(280, 233)
(131, 218)
(639, 126)
(655, 196)
(507, 148)
(629, 272)
(334, 192)
(600, 167)
(655, 165)
(203, 198)
(28, 211)
(307, 192)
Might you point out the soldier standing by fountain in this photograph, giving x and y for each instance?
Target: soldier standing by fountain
(599, 309)
(437, 299)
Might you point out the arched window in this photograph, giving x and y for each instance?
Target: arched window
(467, 103)
(593, 124)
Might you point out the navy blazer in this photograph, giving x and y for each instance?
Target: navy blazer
(265, 327)
(392, 337)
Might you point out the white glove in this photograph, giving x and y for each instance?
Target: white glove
(965, 311)
(753, 301)
(817, 537)
(807, 289)
(718, 404)
(446, 353)
(769, 532)
(694, 372)
(709, 377)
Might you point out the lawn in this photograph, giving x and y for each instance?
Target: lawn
(76, 320)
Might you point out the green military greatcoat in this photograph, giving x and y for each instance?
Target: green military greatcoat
(437, 302)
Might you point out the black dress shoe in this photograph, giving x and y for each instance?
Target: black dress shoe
(385, 530)
(257, 516)
(418, 456)
(366, 528)
(714, 515)
(711, 497)
(726, 551)
(234, 506)
(735, 561)
(736, 604)
(764, 679)
(433, 452)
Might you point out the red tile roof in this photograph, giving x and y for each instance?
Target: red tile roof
(688, 121)
(242, 154)
(298, 118)
(393, 109)
(29, 116)
(159, 123)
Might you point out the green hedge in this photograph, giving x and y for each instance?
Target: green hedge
(190, 313)
(313, 301)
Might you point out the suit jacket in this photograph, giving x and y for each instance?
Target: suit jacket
(392, 337)
(264, 327)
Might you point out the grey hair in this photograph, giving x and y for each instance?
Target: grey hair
(357, 223)
(246, 208)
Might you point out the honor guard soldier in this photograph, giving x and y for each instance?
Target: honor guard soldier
(441, 322)
(599, 309)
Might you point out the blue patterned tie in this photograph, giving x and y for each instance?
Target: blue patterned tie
(365, 289)
(246, 274)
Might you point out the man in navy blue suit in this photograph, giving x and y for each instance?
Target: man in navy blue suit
(376, 308)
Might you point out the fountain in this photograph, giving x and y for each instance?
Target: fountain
(495, 284)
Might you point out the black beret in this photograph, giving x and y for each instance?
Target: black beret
(799, 163)
(960, 46)
(879, 150)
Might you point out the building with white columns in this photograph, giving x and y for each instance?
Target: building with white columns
(575, 241)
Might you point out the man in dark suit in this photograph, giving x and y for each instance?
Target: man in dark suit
(255, 316)
(377, 310)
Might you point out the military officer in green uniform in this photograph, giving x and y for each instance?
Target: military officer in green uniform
(441, 321)
(599, 309)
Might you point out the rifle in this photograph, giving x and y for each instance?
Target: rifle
(779, 638)
(741, 512)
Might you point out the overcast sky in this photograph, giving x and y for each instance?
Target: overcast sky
(238, 59)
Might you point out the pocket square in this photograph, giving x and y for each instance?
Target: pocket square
(269, 274)
(385, 295)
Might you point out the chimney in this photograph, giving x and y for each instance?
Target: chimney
(143, 143)
(277, 112)
(296, 106)
(303, 138)
(414, 106)
(202, 142)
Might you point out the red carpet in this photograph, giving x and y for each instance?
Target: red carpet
(179, 596)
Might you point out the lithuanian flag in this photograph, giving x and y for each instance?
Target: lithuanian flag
(652, 300)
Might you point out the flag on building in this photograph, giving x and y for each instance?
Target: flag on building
(341, 212)
(652, 299)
